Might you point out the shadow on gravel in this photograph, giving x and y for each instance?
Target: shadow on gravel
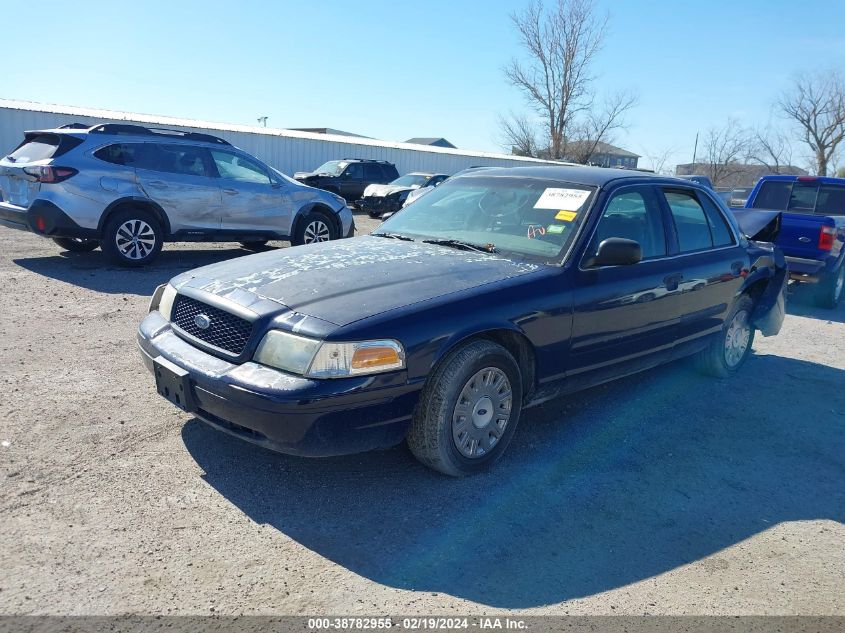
(599, 490)
(94, 272)
(801, 303)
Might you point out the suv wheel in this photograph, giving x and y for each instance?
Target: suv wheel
(76, 244)
(730, 349)
(132, 237)
(315, 227)
(468, 410)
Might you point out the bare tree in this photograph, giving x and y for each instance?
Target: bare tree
(771, 148)
(561, 44)
(597, 126)
(724, 150)
(659, 160)
(816, 102)
(519, 134)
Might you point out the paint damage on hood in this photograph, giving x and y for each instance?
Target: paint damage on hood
(381, 191)
(347, 280)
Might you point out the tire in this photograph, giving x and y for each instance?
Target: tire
(830, 290)
(731, 348)
(77, 244)
(255, 245)
(118, 236)
(315, 227)
(442, 438)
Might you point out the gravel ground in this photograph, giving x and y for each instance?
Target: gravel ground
(663, 493)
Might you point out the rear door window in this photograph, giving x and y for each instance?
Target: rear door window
(186, 160)
(120, 153)
(691, 223)
(719, 231)
(372, 172)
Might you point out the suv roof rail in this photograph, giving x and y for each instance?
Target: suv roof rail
(140, 130)
(369, 160)
(73, 126)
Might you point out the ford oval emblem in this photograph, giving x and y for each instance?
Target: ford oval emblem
(202, 321)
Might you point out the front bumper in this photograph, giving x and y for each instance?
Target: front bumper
(44, 218)
(280, 411)
(378, 205)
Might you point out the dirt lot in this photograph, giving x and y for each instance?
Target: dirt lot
(662, 493)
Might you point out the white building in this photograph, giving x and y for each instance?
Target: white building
(288, 151)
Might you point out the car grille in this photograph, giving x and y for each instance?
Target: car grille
(225, 330)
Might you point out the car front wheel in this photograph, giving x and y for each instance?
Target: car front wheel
(315, 227)
(468, 410)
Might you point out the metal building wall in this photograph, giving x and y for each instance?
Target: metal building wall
(286, 150)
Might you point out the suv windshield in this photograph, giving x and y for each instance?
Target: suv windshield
(331, 168)
(410, 180)
(529, 217)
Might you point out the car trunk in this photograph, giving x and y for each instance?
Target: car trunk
(19, 188)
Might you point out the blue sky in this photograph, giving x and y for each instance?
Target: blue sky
(394, 70)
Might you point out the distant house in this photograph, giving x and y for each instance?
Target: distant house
(735, 175)
(437, 142)
(600, 154)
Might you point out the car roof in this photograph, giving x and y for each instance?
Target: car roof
(576, 174)
(824, 180)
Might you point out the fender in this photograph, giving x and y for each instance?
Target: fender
(306, 209)
(770, 305)
(146, 202)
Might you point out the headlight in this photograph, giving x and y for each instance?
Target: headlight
(162, 300)
(316, 359)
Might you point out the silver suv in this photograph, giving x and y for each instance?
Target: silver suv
(128, 189)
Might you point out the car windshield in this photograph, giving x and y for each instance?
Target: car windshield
(332, 168)
(524, 216)
(410, 180)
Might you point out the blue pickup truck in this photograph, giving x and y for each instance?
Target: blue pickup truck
(812, 229)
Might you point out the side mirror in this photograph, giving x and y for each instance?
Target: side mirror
(617, 251)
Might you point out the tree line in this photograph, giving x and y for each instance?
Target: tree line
(570, 119)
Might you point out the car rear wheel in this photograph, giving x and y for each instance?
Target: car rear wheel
(829, 291)
(132, 237)
(730, 349)
(255, 245)
(76, 244)
(468, 410)
(315, 227)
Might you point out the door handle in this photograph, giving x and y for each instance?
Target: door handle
(671, 281)
(158, 184)
(231, 192)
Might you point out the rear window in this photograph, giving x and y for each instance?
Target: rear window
(831, 200)
(800, 197)
(773, 194)
(42, 147)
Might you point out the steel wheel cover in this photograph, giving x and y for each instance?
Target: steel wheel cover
(482, 412)
(316, 231)
(135, 239)
(737, 338)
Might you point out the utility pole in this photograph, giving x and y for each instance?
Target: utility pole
(694, 151)
(263, 121)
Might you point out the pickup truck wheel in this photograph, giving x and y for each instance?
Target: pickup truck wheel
(76, 244)
(132, 237)
(468, 410)
(730, 349)
(829, 291)
(315, 227)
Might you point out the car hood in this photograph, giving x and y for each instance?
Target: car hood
(385, 190)
(347, 280)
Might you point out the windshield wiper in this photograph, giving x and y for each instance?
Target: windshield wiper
(466, 246)
(395, 236)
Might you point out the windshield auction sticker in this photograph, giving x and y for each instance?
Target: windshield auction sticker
(562, 199)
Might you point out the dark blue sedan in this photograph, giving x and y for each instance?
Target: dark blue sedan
(498, 290)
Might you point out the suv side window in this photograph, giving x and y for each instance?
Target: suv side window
(186, 160)
(354, 171)
(633, 214)
(372, 172)
(691, 223)
(236, 167)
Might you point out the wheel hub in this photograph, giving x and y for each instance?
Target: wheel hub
(482, 412)
(737, 338)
